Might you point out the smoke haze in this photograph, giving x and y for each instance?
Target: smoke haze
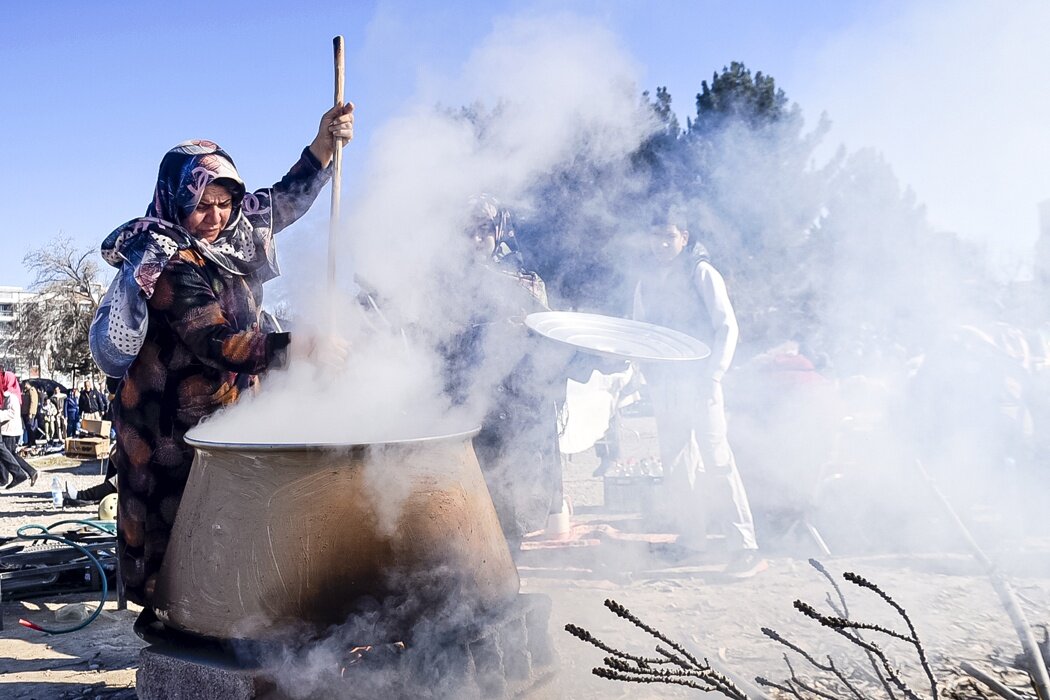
(547, 92)
(901, 356)
(894, 304)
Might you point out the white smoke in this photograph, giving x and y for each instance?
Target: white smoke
(838, 451)
(545, 92)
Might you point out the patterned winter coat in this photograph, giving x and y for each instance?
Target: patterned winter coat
(202, 344)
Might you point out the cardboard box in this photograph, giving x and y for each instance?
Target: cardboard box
(96, 427)
(87, 448)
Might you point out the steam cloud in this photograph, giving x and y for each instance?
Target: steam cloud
(901, 318)
(921, 366)
(549, 93)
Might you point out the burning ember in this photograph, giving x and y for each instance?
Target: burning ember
(380, 652)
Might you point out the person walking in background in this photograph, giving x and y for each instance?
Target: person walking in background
(10, 432)
(683, 291)
(72, 411)
(6, 473)
(112, 385)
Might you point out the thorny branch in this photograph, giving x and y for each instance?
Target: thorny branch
(691, 672)
(828, 668)
(845, 628)
(795, 680)
(842, 610)
(841, 624)
(622, 666)
(913, 636)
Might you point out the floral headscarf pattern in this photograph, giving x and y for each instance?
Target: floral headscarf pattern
(489, 217)
(141, 248)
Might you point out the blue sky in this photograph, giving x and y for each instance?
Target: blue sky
(95, 93)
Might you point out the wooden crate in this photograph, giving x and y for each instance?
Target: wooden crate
(95, 427)
(87, 448)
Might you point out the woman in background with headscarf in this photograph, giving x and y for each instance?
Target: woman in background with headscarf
(520, 380)
(11, 432)
(182, 324)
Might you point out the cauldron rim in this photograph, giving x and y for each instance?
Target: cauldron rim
(215, 446)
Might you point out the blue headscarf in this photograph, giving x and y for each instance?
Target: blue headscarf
(142, 247)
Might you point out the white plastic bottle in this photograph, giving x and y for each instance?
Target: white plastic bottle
(56, 493)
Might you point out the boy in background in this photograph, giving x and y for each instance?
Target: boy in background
(683, 291)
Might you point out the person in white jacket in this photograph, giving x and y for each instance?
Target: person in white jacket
(11, 431)
(683, 291)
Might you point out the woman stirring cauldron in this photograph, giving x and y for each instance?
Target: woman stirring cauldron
(181, 324)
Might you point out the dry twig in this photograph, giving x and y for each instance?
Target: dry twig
(850, 629)
(623, 666)
(843, 611)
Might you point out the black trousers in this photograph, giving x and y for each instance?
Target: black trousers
(14, 466)
(97, 492)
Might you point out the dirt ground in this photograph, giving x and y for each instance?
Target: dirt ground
(952, 604)
(96, 662)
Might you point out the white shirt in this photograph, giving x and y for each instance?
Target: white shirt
(712, 289)
(11, 416)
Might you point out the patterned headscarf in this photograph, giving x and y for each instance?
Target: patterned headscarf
(490, 218)
(141, 248)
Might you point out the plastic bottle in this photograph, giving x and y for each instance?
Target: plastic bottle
(56, 493)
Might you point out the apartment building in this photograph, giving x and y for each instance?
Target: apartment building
(10, 300)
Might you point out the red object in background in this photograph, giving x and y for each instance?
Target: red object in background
(792, 370)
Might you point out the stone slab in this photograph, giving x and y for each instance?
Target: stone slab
(508, 655)
(169, 674)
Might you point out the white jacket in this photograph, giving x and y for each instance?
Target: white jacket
(11, 416)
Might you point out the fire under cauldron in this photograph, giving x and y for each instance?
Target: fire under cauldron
(271, 536)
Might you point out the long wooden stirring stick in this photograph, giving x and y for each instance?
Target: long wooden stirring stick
(337, 166)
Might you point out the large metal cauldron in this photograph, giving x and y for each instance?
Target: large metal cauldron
(269, 537)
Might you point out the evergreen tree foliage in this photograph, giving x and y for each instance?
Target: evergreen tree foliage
(831, 255)
(735, 96)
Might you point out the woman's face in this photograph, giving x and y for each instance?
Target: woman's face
(484, 245)
(483, 236)
(211, 215)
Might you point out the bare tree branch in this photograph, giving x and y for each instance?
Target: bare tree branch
(52, 325)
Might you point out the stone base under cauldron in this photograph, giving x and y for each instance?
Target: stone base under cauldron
(508, 655)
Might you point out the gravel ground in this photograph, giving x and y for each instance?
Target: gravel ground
(26, 504)
(95, 662)
(953, 606)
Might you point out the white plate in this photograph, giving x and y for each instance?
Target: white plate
(620, 338)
